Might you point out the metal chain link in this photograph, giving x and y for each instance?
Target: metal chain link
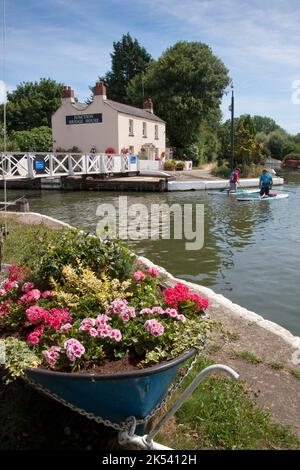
(131, 422)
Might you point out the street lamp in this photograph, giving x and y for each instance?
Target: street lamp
(231, 108)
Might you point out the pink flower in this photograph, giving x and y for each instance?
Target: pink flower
(130, 311)
(34, 338)
(2, 292)
(47, 294)
(93, 332)
(181, 318)
(116, 335)
(139, 276)
(87, 324)
(125, 316)
(118, 305)
(51, 355)
(10, 285)
(154, 327)
(172, 312)
(104, 330)
(152, 271)
(102, 320)
(36, 314)
(65, 328)
(204, 303)
(146, 311)
(27, 287)
(158, 310)
(4, 308)
(74, 349)
(31, 296)
(56, 317)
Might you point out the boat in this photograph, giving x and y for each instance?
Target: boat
(271, 197)
(239, 192)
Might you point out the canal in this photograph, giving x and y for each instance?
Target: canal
(251, 251)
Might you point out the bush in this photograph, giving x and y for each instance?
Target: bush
(180, 165)
(169, 165)
(222, 171)
(38, 139)
(292, 156)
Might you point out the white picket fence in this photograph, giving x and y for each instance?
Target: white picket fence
(49, 165)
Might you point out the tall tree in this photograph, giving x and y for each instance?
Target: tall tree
(129, 59)
(186, 85)
(265, 124)
(32, 104)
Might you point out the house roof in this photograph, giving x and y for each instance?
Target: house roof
(125, 109)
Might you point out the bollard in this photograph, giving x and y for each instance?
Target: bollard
(22, 205)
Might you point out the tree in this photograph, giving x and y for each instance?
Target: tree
(276, 143)
(38, 139)
(265, 124)
(129, 59)
(247, 150)
(186, 85)
(32, 104)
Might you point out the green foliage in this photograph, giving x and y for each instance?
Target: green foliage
(247, 150)
(265, 124)
(186, 85)
(169, 165)
(221, 171)
(67, 248)
(32, 104)
(276, 143)
(247, 356)
(38, 139)
(129, 59)
(18, 356)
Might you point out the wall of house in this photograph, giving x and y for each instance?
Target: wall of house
(137, 140)
(85, 136)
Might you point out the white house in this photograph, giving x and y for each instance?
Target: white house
(105, 123)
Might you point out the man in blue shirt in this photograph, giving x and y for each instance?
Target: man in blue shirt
(265, 183)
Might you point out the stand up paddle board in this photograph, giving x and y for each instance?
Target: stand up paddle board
(239, 192)
(269, 198)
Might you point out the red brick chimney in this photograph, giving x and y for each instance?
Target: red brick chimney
(148, 105)
(100, 90)
(68, 94)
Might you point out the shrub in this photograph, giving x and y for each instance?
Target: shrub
(292, 156)
(222, 171)
(180, 165)
(169, 165)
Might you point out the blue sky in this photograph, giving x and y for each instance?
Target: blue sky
(71, 40)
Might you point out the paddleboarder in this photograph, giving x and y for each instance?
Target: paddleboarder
(265, 183)
(233, 180)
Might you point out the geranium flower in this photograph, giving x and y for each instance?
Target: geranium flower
(27, 287)
(118, 305)
(152, 271)
(158, 310)
(87, 324)
(51, 355)
(139, 276)
(146, 311)
(116, 335)
(74, 349)
(172, 312)
(154, 327)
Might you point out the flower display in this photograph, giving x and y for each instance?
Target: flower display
(73, 317)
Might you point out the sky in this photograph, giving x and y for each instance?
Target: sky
(70, 41)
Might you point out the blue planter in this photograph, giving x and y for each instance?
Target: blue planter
(112, 396)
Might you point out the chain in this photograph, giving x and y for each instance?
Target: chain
(130, 423)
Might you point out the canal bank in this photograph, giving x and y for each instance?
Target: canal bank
(266, 355)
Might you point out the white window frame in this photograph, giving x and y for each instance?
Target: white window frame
(144, 129)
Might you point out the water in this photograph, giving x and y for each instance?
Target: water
(251, 253)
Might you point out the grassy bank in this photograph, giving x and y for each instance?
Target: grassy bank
(221, 414)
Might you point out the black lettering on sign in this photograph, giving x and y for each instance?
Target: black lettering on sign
(84, 119)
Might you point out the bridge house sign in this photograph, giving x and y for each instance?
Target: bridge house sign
(84, 119)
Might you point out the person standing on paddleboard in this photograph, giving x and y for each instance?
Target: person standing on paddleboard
(233, 180)
(265, 183)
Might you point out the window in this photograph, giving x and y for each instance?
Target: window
(156, 132)
(144, 129)
(131, 127)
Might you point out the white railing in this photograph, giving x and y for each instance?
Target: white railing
(19, 165)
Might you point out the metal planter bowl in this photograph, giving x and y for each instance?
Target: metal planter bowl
(114, 397)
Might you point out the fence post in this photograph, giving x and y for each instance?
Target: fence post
(51, 164)
(30, 166)
(70, 165)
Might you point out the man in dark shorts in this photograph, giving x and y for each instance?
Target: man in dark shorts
(265, 183)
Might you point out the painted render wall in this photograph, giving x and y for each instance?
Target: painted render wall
(137, 140)
(85, 136)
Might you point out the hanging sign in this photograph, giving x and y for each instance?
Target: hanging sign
(84, 119)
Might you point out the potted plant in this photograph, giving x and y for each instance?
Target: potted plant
(88, 324)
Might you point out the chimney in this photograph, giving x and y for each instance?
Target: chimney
(100, 90)
(68, 94)
(148, 105)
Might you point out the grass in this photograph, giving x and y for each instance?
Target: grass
(221, 415)
(276, 365)
(21, 239)
(295, 373)
(247, 356)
